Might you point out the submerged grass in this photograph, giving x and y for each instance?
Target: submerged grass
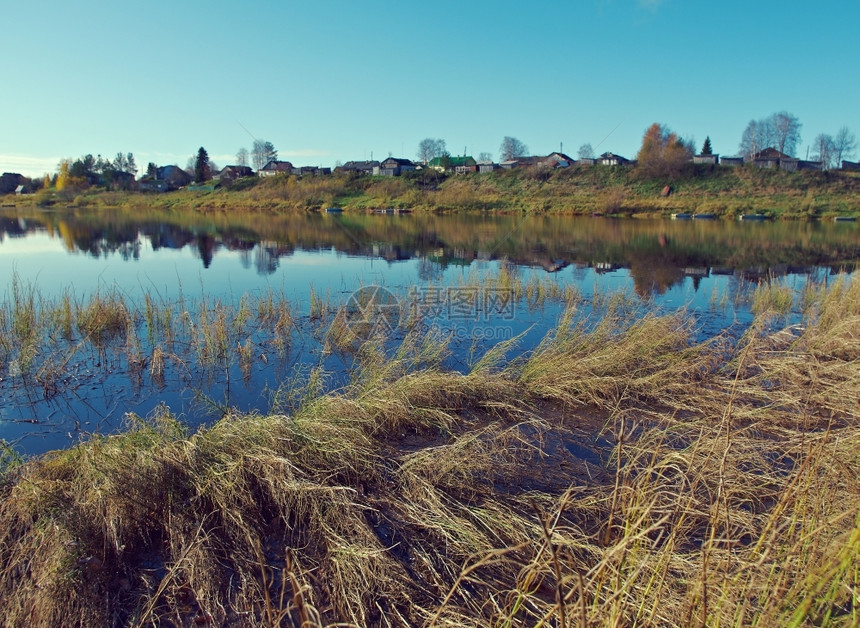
(617, 475)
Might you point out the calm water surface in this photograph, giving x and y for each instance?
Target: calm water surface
(436, 265)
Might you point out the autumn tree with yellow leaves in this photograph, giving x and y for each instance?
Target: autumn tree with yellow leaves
(663, 153)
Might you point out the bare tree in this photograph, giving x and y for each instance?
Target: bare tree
(511, 147)
(429, 148)
(844, 143)
(786, 129)
(242, 157)
(585, 152)
(824, 150)
(262, 153)
(485, 156)
(757, 136)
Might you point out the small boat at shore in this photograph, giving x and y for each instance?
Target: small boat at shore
(681, 216)
(752, 217)
(334, 210)
(845, 219)
(704, 216)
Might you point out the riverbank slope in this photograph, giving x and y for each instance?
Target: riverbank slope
(721, 191)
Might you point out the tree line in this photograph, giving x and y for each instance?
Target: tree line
(662, 153)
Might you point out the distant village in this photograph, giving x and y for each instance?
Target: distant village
(173, 177)
(168, 178)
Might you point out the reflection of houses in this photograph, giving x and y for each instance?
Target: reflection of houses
(390, 252)
(268, 254)
(358, 167)
(696, 273)
(553, 266)
(394, 167)
(605, 267)
(275, 167)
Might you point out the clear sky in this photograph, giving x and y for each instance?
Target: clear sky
(338, 80)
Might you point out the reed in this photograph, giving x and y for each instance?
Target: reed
(104, 318)
(774, 298)
(620, 474)
(24, 310)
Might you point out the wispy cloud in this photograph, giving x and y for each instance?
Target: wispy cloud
(28, 166)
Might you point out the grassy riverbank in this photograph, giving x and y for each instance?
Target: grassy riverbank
(615, 476)
(722, 191)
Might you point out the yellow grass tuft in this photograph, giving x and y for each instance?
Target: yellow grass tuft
(617, 475)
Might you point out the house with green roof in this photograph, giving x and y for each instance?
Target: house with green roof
(449, 163)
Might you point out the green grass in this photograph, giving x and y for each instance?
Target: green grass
(722, 491)
(722, 191)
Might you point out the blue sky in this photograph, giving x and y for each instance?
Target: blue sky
(334, 81)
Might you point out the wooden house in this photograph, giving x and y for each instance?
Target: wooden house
(175, 177)
(231, 173)
(706, 159)
(359, 167)
(275, 167)
(152, 185)
(557, 160)
(772, 158)
(611, 159)
(9, 182)
(394, 167)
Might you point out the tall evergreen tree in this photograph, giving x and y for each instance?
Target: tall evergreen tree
(706, 147)
(201, 166)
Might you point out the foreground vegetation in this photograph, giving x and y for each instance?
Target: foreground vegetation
(617, 475)
(722, 191)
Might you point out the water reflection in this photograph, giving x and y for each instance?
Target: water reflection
(659, 254)
(191, 261)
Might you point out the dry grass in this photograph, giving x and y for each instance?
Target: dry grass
(616, 476)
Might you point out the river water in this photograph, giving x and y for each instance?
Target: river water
(459, 272)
